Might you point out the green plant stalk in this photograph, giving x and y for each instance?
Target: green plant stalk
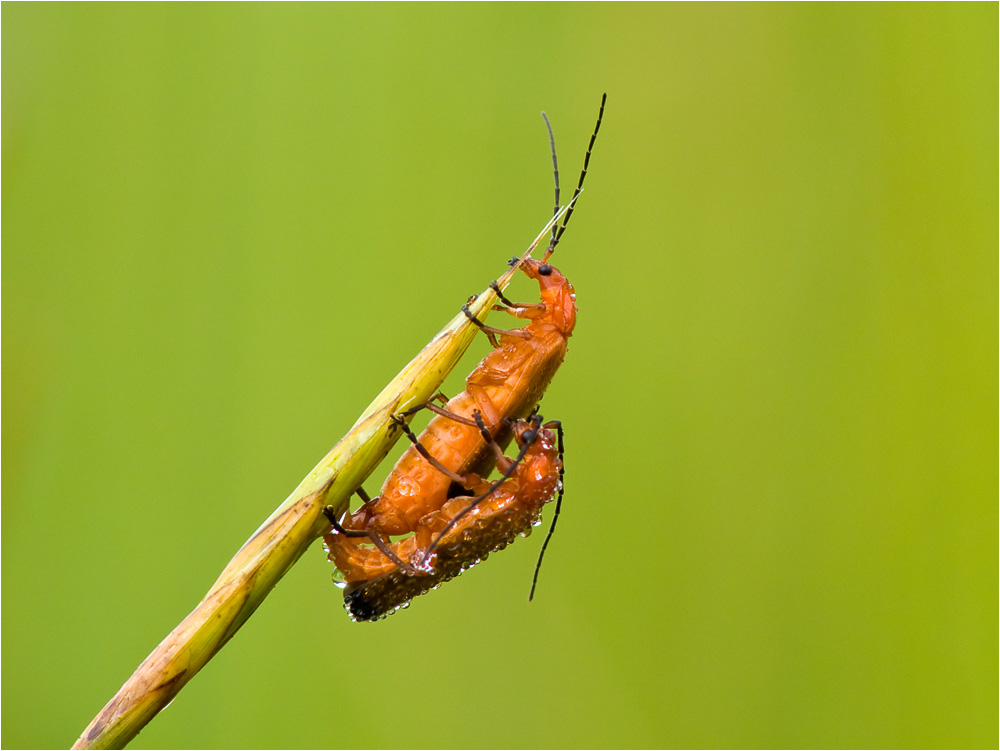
(285, 535)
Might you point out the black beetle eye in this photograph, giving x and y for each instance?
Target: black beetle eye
(544, 269)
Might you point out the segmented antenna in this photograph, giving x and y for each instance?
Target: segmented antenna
(555, 169)
(555, 516)
(579, 186)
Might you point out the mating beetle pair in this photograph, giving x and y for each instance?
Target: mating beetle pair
(436, 493)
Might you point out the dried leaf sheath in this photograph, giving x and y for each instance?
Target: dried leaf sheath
(284, 536)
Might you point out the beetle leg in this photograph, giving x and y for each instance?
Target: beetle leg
(496, 288)
(424, 452)
(491, 332)
(438, 411)
(502, 460)
(372, 535)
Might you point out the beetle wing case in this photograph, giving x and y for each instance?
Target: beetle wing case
(376, 598)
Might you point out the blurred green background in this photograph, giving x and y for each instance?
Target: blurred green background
(226, 227)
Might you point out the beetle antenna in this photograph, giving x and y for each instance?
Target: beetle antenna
(555, 168)
(555, 516)
(579, 186)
